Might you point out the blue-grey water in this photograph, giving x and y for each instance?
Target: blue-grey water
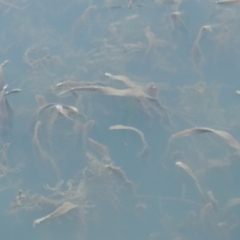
(149, 69)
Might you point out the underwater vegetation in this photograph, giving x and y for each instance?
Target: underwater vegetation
(126, 121)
